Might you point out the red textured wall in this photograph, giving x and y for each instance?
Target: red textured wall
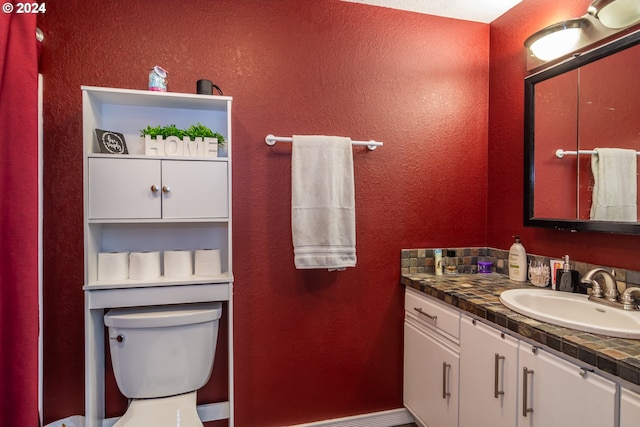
(506, 150)
(309, 345)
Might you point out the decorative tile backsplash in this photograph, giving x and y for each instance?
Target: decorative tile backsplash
(415, 261)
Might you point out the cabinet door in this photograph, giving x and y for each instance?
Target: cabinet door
(555, 392)
(122, 188)
(629, 408)
(488, 376)
(430, 378)
(194, 189)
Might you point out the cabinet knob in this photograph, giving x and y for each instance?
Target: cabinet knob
(166, 189)
(154, 188)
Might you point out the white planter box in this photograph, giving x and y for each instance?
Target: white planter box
(176, 147)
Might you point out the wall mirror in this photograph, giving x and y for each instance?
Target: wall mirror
(583, 107)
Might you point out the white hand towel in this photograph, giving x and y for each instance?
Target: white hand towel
(323, 224)
(615, 188)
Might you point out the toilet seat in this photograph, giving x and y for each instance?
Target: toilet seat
(172, 411)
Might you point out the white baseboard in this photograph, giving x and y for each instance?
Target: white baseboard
(207, 412)
(391, 418)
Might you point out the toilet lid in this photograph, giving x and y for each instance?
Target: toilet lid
(161, 316)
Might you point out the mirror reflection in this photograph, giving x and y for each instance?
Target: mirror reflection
(583, 140)
(609, 117)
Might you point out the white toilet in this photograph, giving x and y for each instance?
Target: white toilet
(161, 355)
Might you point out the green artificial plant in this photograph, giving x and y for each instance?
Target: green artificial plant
(194, 131)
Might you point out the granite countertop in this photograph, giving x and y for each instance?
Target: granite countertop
(479, 294)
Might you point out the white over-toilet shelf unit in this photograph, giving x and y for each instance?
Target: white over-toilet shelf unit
(124, 211)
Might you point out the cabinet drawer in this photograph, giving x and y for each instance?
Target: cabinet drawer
(432, 313)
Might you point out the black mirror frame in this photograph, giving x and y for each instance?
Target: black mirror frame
(573, 63)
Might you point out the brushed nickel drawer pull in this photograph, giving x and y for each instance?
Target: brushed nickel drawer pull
(584, 372)
(496, 385)
(430, 316)
(525, 389)
(445, 392)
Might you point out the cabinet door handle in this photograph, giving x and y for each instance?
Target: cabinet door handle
(166, 189)
(525, 389)
(154, 188)
(430, 316)
(584, 371)
(496, 383)
(445, 390)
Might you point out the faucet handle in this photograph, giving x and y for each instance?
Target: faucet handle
(627, 299)
(596, 289)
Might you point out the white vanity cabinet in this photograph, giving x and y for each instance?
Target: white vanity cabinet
(134, 202)
(555, 392)
(629, 408)
(431, 361)
(488, 375)
(503, 381)
(156, 189)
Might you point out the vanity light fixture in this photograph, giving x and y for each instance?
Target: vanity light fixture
(556, 40)
(616, 13)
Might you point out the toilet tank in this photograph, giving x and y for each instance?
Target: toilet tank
(160, 351)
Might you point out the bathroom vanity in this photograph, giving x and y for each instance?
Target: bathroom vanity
(468, 357)
(138, 202)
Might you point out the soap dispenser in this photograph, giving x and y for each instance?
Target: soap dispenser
(517, 261)
(567, 279)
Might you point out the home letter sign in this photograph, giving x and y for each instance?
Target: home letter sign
(176, 147)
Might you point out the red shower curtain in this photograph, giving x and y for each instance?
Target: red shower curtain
(18, 220)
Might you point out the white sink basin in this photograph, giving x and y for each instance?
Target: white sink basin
(573, 311)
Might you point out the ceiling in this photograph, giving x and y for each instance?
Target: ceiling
(469, 10)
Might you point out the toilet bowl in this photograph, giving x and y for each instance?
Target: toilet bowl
(160, 356)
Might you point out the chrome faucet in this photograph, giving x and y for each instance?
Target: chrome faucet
(608, 294)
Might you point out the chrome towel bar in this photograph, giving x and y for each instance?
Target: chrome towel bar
(560, 153)
(271, 140)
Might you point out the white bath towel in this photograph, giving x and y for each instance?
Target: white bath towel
(615, 187)
(323, 223)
